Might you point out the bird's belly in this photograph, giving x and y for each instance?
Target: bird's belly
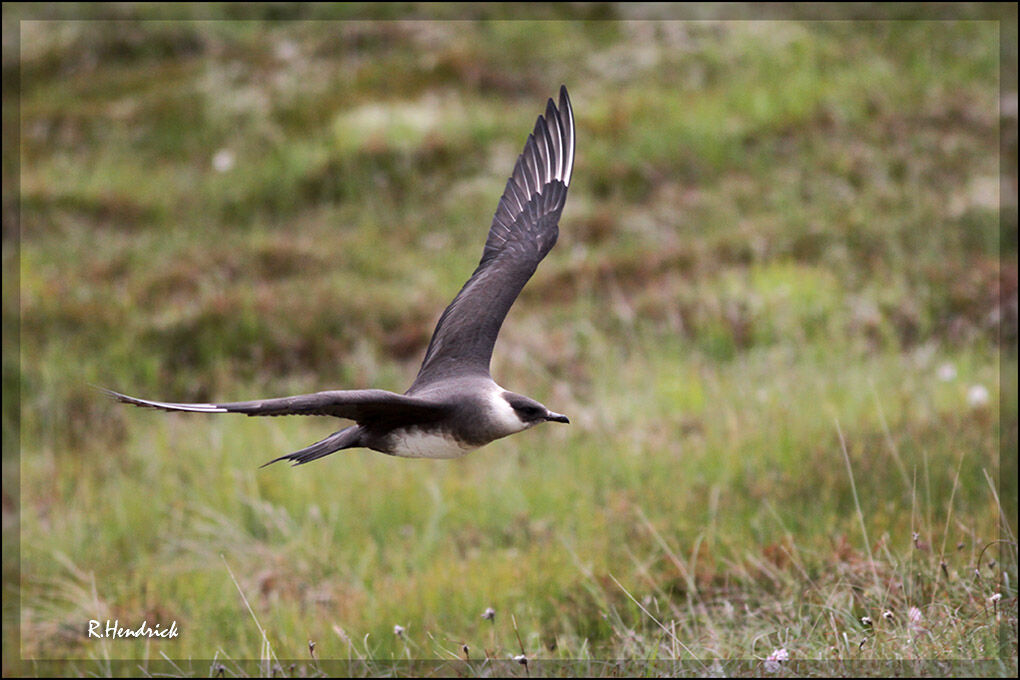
(419, 444)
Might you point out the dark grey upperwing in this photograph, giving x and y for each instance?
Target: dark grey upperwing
(377, 408)
(523, 230)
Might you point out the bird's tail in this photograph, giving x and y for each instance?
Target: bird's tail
(344, 439)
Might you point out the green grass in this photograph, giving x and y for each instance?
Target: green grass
(779, 289)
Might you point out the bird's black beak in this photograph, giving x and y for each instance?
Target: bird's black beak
(558, 417)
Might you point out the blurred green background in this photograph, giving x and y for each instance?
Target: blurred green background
(780, 310)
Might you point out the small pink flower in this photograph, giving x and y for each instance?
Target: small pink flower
(775, 660)
(947, 372)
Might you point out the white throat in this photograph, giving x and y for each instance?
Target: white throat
(503, 414)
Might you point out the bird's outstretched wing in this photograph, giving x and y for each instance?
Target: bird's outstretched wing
(366, 407)
(523, 230)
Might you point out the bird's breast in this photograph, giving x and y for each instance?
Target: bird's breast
(419, 443)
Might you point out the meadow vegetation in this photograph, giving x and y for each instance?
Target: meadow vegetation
(781, 316)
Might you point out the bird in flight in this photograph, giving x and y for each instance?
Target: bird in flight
(453, 406)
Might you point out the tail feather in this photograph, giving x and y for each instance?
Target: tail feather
(344, 439)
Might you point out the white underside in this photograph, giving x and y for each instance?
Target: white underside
(418, 444)
(414, 444)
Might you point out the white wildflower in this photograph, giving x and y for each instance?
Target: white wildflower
(977, 396)
(946, 372)
(223, 160)
(286, 50)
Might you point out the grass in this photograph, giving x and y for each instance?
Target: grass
(781, 316)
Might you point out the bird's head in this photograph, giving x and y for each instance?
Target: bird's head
(530, 412)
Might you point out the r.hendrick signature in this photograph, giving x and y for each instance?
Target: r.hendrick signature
(114, 630)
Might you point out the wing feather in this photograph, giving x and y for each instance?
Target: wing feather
(363, 406)
(524, 228)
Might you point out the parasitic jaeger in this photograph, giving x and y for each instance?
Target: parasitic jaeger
(453, 406)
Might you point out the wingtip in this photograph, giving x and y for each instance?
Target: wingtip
(565, 98)
(275, 460)
(294, 461)
(567, 110)
(563, 106)
(116, 396)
